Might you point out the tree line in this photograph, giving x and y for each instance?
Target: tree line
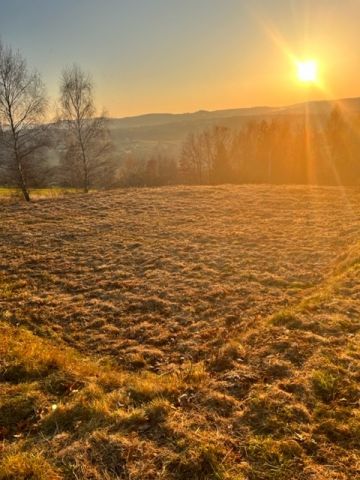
(298, 149)
(282, 150)
(295, 150)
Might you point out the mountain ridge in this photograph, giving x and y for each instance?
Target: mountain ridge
(159, 118)
(141, 134)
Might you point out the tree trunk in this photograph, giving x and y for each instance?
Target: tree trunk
(22, 182)
(86, 175)
(85, 166)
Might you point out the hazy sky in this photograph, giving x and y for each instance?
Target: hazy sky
(186, 55)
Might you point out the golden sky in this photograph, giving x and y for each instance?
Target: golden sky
(185, 55)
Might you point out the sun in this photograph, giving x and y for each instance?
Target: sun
(307, 71)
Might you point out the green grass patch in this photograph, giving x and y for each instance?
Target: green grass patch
(52, 192)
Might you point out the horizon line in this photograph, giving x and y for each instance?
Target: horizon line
(343, 99)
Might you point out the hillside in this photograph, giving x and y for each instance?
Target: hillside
(143, 133)
(181, 333)
(320, 107)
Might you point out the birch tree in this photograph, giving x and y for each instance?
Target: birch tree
(23, 106)
(88, 146)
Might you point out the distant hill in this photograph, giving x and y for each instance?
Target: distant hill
(152, 119)
(141, 134)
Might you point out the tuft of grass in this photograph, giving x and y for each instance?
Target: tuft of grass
(146, 387)
(274, 459)
(27, 466)
(325, 384)
(19, 410)
(198, 462)
(227, 355)
(157, 410)
(87, 410)
(286, 319)
(26, 357)
(110, 453)
(271, 411)
(277, 368)
(221, 403)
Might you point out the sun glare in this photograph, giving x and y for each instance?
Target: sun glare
(307, 71)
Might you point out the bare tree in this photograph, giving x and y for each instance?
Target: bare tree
(88, 151)
(205, 156)
(191, 160)
(22, 112)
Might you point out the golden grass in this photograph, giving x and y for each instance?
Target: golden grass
(7, 193)
(167, 335)
(26, 466)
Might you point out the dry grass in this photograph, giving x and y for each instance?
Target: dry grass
(11, 194)
(184, 333)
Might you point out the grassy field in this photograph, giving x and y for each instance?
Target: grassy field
(181, 333)
(7, 193)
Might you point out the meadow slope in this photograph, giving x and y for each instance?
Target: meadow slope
(181, 333)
